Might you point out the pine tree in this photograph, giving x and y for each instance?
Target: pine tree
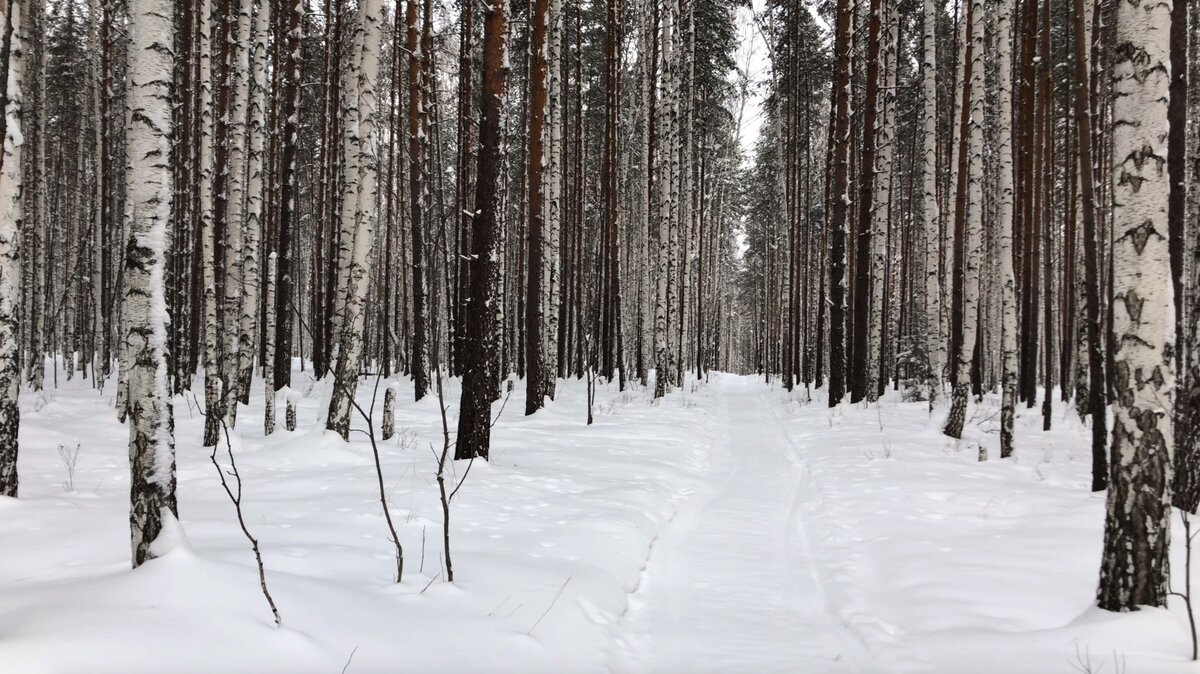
(481, 346)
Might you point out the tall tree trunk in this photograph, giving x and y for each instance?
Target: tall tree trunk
(1008, 288)
(11, 214)
(972, 244)
(420, 312)
(929, 204)
(289, 196)
(148, 171)
(535, 364)
(885, 136)
(840, 198)
(481, 343)
(362, 145)
(1137, 531)
(1083, 118)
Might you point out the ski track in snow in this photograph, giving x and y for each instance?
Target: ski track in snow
(732, 583)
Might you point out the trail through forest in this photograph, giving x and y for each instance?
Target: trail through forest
(732, 583)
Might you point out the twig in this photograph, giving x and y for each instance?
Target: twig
(236, 498)
(387, 513)
(347, 665)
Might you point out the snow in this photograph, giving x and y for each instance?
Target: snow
(729, 527)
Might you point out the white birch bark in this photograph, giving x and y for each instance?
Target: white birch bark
(929, 205)
(363, 144)
(256, 168)
(666, 161)
(149, 192)
(554, 206)
(1008, 283)
(235, 220)
(11, 214)
(212, 372)
(1134, 568)
(885, 140)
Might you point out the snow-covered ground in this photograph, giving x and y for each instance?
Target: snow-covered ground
(732, 527)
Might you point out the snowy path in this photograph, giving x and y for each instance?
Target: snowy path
(731, 584)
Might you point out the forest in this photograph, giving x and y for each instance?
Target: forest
(693, 335)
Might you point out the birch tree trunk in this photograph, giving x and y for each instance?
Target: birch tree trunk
(666, 120)
(554, 206)
(151, 425)
(11, 214)
(235, 209)
(885, 137)
(1137, 532)
(1008, 282)
(256, 167)
(363, 144)
(929, 204)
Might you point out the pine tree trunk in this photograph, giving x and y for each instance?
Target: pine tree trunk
(416, 141)
(481, 341)
(289, 191)
(1137, 531)
(1187, 448)
(972, 243)
(1095, 402)
(269, 392)
(535, 363)
(839, 197)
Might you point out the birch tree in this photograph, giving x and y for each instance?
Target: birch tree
(1137, 532)
(666, 164)
(11, 215)
(883, 197)
(361, 143)
(1008, 281)
(151, 425)
(929, 202)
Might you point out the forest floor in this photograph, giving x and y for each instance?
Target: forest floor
(732, 527)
